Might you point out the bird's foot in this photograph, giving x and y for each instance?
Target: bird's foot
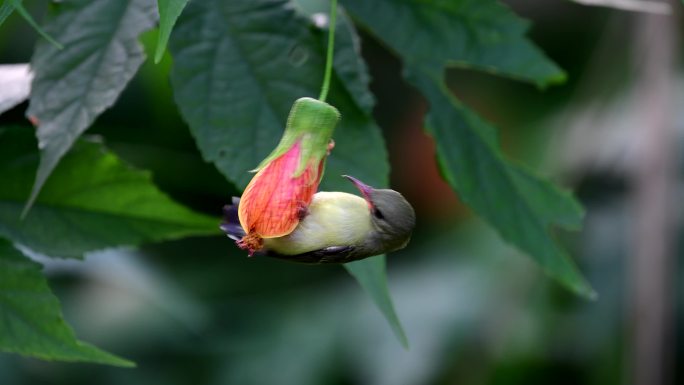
(302, 210)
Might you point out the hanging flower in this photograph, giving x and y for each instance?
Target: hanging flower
(278, 195)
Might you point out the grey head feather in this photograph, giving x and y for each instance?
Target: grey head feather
(393, 218)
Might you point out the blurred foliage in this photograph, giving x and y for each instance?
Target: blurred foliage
(92, 202)
(196, 310)
(32, 317)
(74, 84)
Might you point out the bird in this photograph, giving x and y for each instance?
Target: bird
(338, 227)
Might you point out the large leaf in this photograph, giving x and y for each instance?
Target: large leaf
(481, 34)
(169, 10)
(31, 321)
(551, 204)
(239, 66)
(74, 85)
(430, 35)
(519, 205)
(92, 201)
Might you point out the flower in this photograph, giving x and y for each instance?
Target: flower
(277, 196)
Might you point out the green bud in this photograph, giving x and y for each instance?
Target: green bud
(311, 122)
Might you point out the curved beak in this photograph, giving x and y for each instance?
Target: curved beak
(364, 188)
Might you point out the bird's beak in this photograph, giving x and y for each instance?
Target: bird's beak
(364, 188)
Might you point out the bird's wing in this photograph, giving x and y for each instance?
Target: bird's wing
(332, 254)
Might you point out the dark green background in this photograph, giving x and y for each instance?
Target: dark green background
(475, 310)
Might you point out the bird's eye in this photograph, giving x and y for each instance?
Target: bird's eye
(378, 214)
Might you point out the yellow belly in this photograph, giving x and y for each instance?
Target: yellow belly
(333, 219)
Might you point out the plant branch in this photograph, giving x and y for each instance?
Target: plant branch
(331, 50)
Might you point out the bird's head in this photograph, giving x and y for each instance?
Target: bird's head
(391, 214)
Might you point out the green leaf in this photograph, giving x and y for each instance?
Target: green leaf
(74, 85)
(430, 35)
(17, 4)
(6, 10)
(370, 273)
(169, 10)
(480, 34)
(520, 206)
(92, 201)
(553, 205)
(31, 322)
(235, 83)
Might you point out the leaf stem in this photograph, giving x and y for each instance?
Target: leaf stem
(331, 49)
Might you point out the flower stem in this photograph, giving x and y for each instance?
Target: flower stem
(331, 49)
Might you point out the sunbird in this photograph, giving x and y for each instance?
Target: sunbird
(337, 227)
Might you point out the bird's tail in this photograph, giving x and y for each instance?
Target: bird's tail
(231, 222)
